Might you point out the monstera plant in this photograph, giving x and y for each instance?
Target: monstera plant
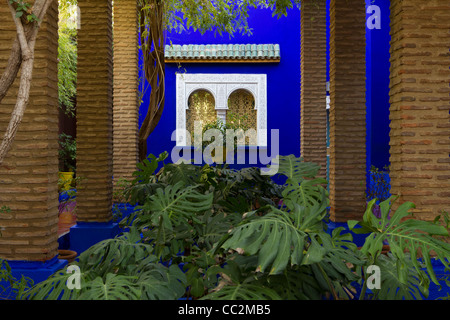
(114, 269)
(406, 271)
(213, 232)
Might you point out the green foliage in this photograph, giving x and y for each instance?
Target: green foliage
(213, 232)
(120, 187)
(5, 209)
(396, 287)
(67, 152)
(409, 239)
(171, 207)
(295, 169)
(204, 216)
(67, 56)
(147, 168)
(9, 285)
(114, 269)
(380, 187)
(23, 9)
(243, 292)
(219, 16)
(234, 122)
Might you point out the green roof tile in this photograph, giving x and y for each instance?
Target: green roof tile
(223, 51)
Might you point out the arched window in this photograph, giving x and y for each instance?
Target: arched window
(208, 97)
(242, 113)
(201, 108)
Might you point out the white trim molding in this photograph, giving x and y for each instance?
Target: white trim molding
(221, 86)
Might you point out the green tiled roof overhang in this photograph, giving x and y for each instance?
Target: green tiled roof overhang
(222, 52)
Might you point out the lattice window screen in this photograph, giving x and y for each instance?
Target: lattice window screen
(201, 107)
(242, 103)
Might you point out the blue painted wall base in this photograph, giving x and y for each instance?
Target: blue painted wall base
(85, 234)
(38, 271)
(64, 242)
(358, 239)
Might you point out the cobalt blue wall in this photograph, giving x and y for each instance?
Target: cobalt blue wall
(377, 96)
(377, 84)
(283, 91)
(283, 79)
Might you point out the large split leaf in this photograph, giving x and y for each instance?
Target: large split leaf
(403, 235)
(147, 168)
(171, 207)
(308, 193)
(243, 291)
(114, 269)
(189, 174)
(113, 287)
(174, 204)
(394, 287)
(273, 237)
(295, 168)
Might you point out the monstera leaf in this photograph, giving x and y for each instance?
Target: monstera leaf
(147, 168)
(171, 207)
(307, 193)
(273, 237)
(189, 174)
(295, 168)
(212, 227)
(133, 273)
(138, 193)
(244, 291)
(114, 255)
(174, 204)
(296, 284)
(302, 187)
(279, 237)
(392, 287)
(113, 287)
(54, 288)
(157, 282)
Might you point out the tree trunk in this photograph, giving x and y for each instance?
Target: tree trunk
(152, 37)
(26, 38)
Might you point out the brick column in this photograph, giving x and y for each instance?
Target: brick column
(94, 111)
(347, 109)
(29, 174)
(313, 83)
(126, 100)
(419, 113)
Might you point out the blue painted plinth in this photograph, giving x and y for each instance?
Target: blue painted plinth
(37, 271)
(85, 234)
(64, 242)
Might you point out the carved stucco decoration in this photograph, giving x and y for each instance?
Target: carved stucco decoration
(221, 86)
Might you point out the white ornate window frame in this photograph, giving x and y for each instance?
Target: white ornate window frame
(221, 86)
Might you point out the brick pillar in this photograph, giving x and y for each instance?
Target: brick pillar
(347, 109)
(313, 83)
(94, 111)
(29, 174)
(126, 100)
(419, 112)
